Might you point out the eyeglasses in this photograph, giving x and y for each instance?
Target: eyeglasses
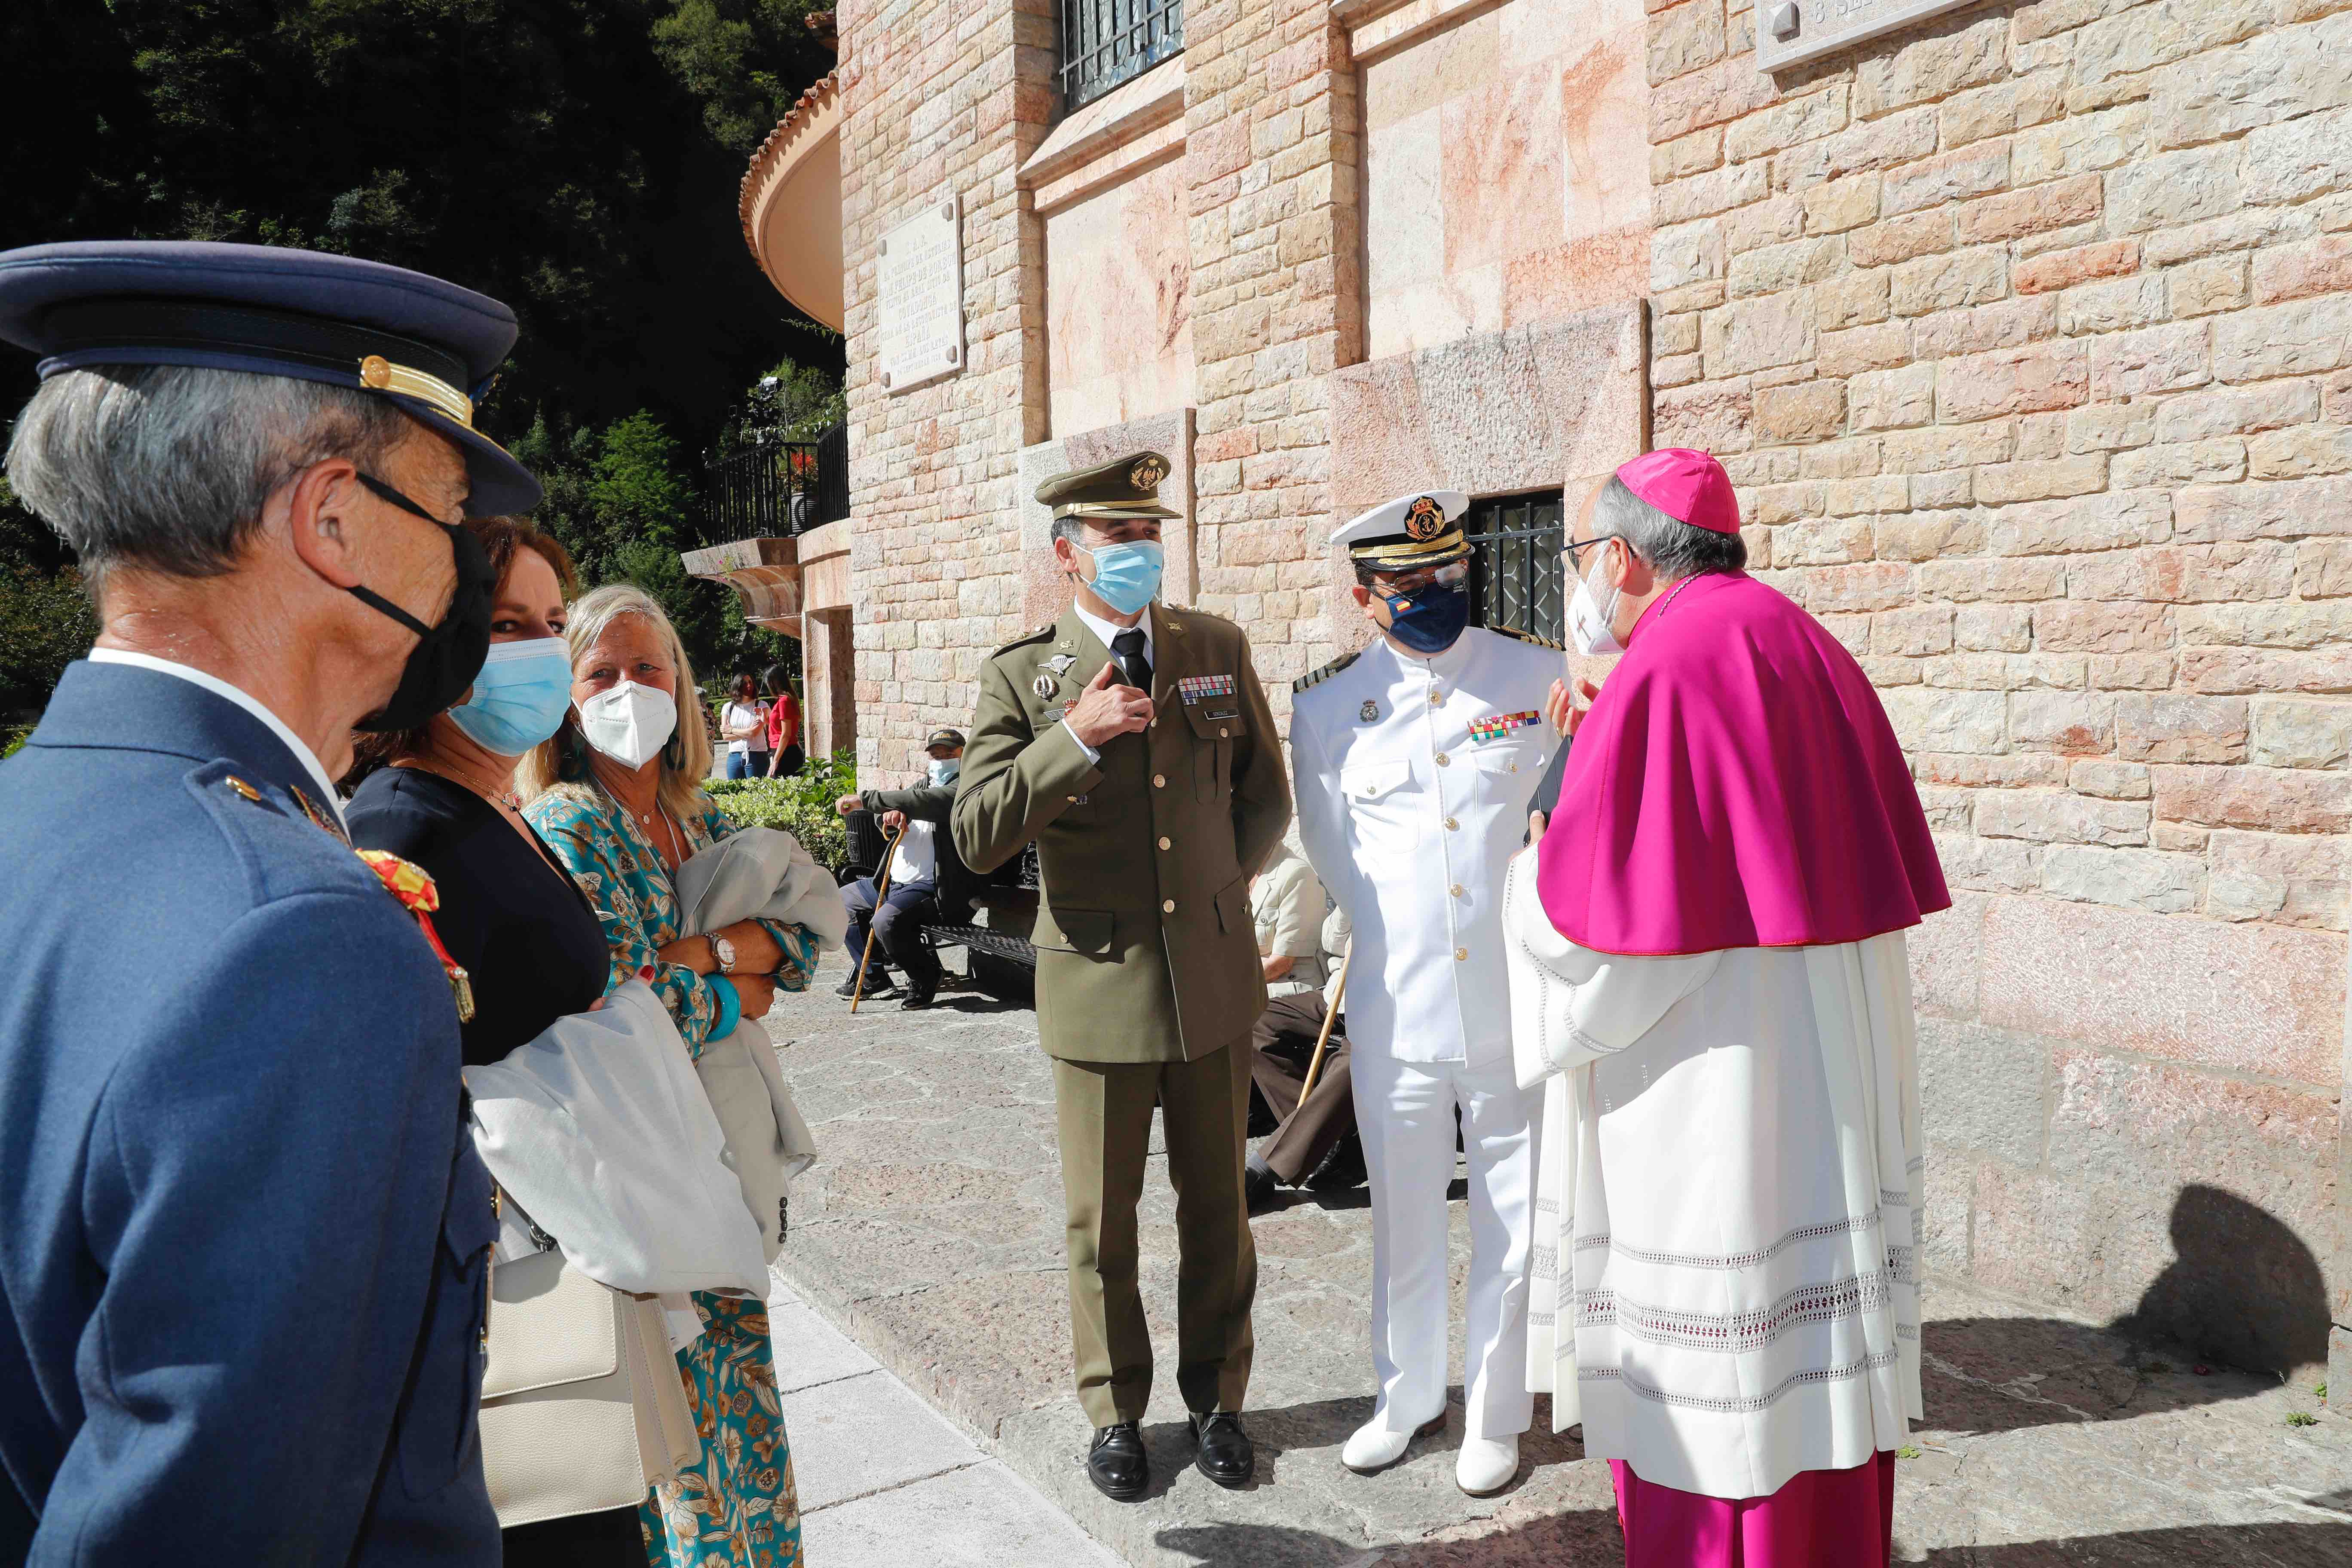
(1569, 551)
(1412, 583)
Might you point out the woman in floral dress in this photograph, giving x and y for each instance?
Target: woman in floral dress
(617, 795)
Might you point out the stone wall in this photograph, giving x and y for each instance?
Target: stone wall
(1119, 321)
(2026, 336)
(1505, 171)
(940, 96)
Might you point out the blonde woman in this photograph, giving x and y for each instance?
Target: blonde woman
(617, 795)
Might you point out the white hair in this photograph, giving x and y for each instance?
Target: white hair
(1673, 547)
(168, 466)
(682, 772)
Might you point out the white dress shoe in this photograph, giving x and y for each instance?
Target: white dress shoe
(1487, 1465)
(1375, 1446)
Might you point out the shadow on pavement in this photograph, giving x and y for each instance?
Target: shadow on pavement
(1588, 1538)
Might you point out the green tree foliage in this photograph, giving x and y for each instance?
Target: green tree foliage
(745, 60)
(578, 159)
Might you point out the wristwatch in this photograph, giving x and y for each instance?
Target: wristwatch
(722, 952)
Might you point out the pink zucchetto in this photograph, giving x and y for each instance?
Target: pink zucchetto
(1690, 487)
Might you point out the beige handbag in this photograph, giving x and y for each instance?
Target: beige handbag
(583, 1405)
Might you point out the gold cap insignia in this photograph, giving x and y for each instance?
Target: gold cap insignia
(1424, 519)
(1147, 473)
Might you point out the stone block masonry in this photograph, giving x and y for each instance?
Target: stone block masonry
(2026, 335)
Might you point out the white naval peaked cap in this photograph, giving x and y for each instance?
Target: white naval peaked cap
(1424, 528)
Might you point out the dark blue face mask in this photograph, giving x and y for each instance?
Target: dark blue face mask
(1430, 620)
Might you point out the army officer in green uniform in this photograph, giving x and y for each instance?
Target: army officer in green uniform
(1133, 742)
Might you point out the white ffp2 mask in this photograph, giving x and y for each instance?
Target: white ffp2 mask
(629, 722)
(1589, 619)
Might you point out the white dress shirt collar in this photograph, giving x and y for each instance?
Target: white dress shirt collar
(1107, 630)
(223, 690)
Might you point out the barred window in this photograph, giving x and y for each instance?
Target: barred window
(1106, 42)
(1515, 570)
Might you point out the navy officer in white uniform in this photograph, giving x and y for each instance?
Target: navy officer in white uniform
(244, 1238)
(1416, 760)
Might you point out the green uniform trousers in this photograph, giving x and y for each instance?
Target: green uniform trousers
(1103, 1126)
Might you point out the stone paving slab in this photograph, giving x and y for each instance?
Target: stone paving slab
(930, 1231)
(982, 1516)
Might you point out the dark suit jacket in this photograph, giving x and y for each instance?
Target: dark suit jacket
(242, 1238)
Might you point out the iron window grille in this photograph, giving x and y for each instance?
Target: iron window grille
(1515, 569)
(1106, 42)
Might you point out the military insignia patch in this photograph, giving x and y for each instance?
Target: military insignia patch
(1147, 473)
(1494, 726)
(1368, 711)
(1200, 688)
(1060, 663)
(1045, 685)
(1424, 519)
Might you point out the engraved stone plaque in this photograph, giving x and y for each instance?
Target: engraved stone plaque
(1790, 32)
(919, 277)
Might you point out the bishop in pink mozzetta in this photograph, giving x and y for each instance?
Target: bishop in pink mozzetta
(1709, 978)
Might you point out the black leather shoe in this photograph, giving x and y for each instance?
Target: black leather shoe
(1258, 1186)
(918, 1001)
(877, 981)
(1226, 1457)
(1115, 1462)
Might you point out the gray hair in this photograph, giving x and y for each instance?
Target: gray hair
(1672, 547)
(168, 466)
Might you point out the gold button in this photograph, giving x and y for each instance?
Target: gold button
(1164, 844)
(1159, 781)
(1451, 825)
(375, 372)
(1443, 760)
(1461, 954)
(1458, 890)
(1222, 732)
(1167, 906)
(1435, 698)
(1074, 800)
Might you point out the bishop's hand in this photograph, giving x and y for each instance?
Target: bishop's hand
(1562, 708)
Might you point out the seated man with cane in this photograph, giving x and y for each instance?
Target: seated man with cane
(1316, 1113)
(901, 899)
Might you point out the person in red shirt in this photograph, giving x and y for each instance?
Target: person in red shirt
(785, 753)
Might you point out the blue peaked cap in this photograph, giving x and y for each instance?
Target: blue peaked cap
(428, 346)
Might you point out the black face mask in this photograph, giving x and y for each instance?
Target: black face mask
(449, 657)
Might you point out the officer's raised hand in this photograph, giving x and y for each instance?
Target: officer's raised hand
(1105, 709)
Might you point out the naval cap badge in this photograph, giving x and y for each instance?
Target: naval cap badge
(1424, 519)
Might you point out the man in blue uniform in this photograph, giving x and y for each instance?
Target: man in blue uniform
(244, 1240)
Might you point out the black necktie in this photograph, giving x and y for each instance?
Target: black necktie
(1134, 668)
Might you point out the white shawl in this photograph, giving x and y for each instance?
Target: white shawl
(1729, 1166)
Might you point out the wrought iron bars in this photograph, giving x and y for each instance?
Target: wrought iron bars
(1515, 570)
(1106, 42)
(778, 489)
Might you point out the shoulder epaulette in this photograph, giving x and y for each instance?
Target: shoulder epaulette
(1316, 677)
(1040, 634)
(1518, 635)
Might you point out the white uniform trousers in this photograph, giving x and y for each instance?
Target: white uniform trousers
(1404, 1113)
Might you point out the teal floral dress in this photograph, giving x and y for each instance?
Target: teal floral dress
(736, 1505)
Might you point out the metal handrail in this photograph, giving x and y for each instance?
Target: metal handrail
(778, 489)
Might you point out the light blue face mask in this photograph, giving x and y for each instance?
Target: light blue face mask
(520, 698)
(1127, 576)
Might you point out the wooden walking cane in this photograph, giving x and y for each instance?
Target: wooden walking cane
(1330, 1016)
(881, 891)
